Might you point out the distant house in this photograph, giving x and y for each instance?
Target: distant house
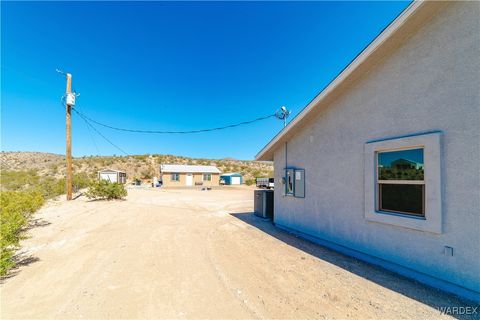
(179, 175)
(406, 164)
(233, 178)
(112, 175)
(414, 91)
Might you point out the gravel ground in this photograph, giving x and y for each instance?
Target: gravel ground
(196, 255)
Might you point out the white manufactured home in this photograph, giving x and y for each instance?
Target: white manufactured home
(384, 164)
(112, 175)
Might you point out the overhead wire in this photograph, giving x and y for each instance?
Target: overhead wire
(89, 121)
(99, 133)
(90, 133)
(176, 132)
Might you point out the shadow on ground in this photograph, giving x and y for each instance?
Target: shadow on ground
(39, 222)
(380, 276)
(21, 260)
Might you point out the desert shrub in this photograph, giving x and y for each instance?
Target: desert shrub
(17, 180)
(54, 168)
(106, 190)
(81, 180)
(147, 174)
(142, 157)
(50, 187)
(257, 173)
(250, 182)
(16, 208)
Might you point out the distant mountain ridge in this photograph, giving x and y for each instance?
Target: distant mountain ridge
(136, 166)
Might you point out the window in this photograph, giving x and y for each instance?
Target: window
(403, 181)
(207, 177)
(400, 182)
(175, 177)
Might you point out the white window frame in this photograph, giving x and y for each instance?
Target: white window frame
(402, 182)
(431, 144)
(175, 174)
(209, 177)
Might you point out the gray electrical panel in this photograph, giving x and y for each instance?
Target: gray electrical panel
(299, 183)
(263, 203)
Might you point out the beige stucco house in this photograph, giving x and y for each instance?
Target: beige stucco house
(180, 175)
(411, 96)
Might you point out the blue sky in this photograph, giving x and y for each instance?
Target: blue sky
(172, 66)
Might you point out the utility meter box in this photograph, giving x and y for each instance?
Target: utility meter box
(71, 99)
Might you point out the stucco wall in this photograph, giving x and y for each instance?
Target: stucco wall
(431, 83)
(197, 178)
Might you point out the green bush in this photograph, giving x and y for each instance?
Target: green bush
(250, 182)
(17, 180)
(50, 187)
(27, 191)
(147, 174)
(106, 190)
(81, 180)
(16, 208)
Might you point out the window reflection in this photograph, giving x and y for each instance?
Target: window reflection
(401, 185)
(401, 165)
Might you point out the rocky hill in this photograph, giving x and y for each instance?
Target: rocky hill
(18, 161)
(136, 166)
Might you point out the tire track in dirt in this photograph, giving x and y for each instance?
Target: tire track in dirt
(226, 282)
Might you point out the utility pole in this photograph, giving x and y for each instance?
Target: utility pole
(70, 100)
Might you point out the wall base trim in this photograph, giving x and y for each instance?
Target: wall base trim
(388, 265)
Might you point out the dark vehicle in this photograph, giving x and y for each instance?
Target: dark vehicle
(265, 183)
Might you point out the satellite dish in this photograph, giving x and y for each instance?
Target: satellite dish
(283, 114)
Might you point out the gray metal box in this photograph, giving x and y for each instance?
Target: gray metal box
(263, 203)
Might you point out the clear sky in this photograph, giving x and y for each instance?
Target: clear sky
(172, 66)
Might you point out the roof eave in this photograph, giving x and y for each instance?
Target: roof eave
(416, 13)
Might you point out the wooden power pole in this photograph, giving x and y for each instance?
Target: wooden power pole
(69, 177)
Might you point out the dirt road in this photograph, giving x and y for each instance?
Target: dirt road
(197, 255)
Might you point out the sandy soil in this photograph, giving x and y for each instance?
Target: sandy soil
(194, 254)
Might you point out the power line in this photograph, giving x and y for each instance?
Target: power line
(90, 132)
(98, 132)
(89, 125)
(175, 132)
(93, 138)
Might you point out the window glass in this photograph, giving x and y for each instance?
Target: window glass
(402, 198)
(207, 177)
(400, 181)
(401, 165)
(175, 177)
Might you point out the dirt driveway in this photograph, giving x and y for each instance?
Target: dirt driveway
(195, 254)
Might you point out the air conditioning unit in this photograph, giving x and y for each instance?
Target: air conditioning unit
(263, 203)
